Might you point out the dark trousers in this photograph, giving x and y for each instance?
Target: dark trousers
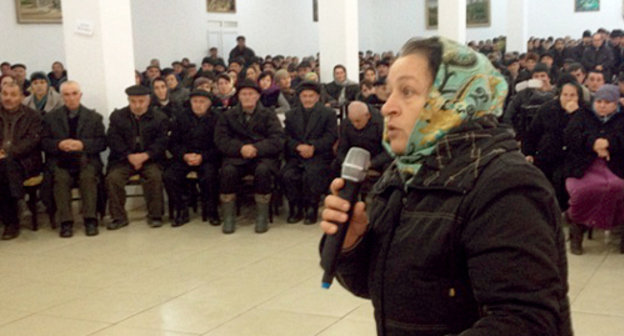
(231, 176)
(87, 179)
(178, 186)
(8, 201)
(152, 189)
(297, 184)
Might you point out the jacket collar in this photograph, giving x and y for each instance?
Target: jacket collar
(458, 158)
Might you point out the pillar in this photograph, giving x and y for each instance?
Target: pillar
(452, 19)
(338, 38)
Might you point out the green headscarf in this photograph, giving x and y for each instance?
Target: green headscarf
(466, 87)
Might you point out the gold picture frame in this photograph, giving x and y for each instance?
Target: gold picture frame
(38, 11)
(221, 6)
(478, 13)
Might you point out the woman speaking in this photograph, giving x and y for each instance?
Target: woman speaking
(463, 236)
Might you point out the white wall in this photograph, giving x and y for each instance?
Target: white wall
(169, 31)
(36, 45)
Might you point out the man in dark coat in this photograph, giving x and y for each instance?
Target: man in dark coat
(20, 157)
(251, 139)
(364, 128)
(576, 53)
(193, 149)
(241, 50)
(599, 57)
(137, 137)
(310, 135)
(73, 138)
(342, 89)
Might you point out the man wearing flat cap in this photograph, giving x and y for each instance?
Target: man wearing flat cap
(311, 130)
(137, 138)
(193, 149)
(251, 139)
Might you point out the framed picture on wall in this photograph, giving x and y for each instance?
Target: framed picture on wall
(221, 6)
(586, 5)
(38, 11)
(478, 13)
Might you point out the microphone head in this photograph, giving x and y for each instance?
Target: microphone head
(355, 165)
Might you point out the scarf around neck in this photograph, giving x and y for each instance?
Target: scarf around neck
(466, 87)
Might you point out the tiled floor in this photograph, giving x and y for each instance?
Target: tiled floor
(194, 280)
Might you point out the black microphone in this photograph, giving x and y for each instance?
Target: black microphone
(354, 169)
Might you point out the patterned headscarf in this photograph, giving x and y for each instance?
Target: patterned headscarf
(466, 87)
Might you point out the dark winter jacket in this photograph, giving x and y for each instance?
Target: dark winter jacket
(246, 53)
(369, 138)
(193, 134)
(472, 246)
(523, 108)
(544, 138)
(593, 57)
(122, 135)
(25, 146)
(90, 130)
(580, 136)
(263, 130)
(334, 90)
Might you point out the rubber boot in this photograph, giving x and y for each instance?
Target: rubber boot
(262, 212)
(229, 213)
(295, 213)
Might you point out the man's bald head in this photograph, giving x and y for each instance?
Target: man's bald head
(358, 114)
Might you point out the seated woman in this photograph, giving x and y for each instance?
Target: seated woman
(44, 99)
(543, 144)
(270, 91)
(226, 93)
(161, 98)
(595, 167)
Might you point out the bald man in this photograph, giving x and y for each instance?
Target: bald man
(364, 129)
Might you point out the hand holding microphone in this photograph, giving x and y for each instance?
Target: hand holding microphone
(344, 219)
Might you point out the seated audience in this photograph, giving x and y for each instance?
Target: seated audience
(73, 138)
(151, 72)
(161, 100)
(178, 93)
(270, 91)
(598, 57)
(57, 76)
(251, 140)
(286, 99)
(6, 79)
(43, 98)
(595, 168)
(5, 69)
(341, 88)
(364, 128)
(524, 105)
(20, 157)
(193, 149)
(137, 138)
(226, 93)
(543, 143)
(189, 76)
(310, 135)
(19, 73)
(366, 90)
(595, 80)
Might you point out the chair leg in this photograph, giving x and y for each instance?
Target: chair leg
(32, 206)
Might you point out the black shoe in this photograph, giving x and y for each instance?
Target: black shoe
(66, 230)
(155, 222)
(181, 218)
(294, 213)
(10, 231)
(311, 215)
(213, 218)
(117, 224)
(91, 227)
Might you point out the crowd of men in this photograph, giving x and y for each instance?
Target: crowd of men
(267, 118)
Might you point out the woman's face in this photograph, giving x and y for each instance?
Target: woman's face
(604, 108)
(160, 90)
(265, 82)
(284, 82)
(568, 94)
(370, 75)
(224, 86)
(409, 82)
(251, 74)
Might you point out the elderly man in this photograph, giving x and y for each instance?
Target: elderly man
(73, 138)
(20, 158)
(43, 98)
(193, 148)
(251, 140)
(310, 135)
(137, 138)
(599, 56)
(363, 129)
